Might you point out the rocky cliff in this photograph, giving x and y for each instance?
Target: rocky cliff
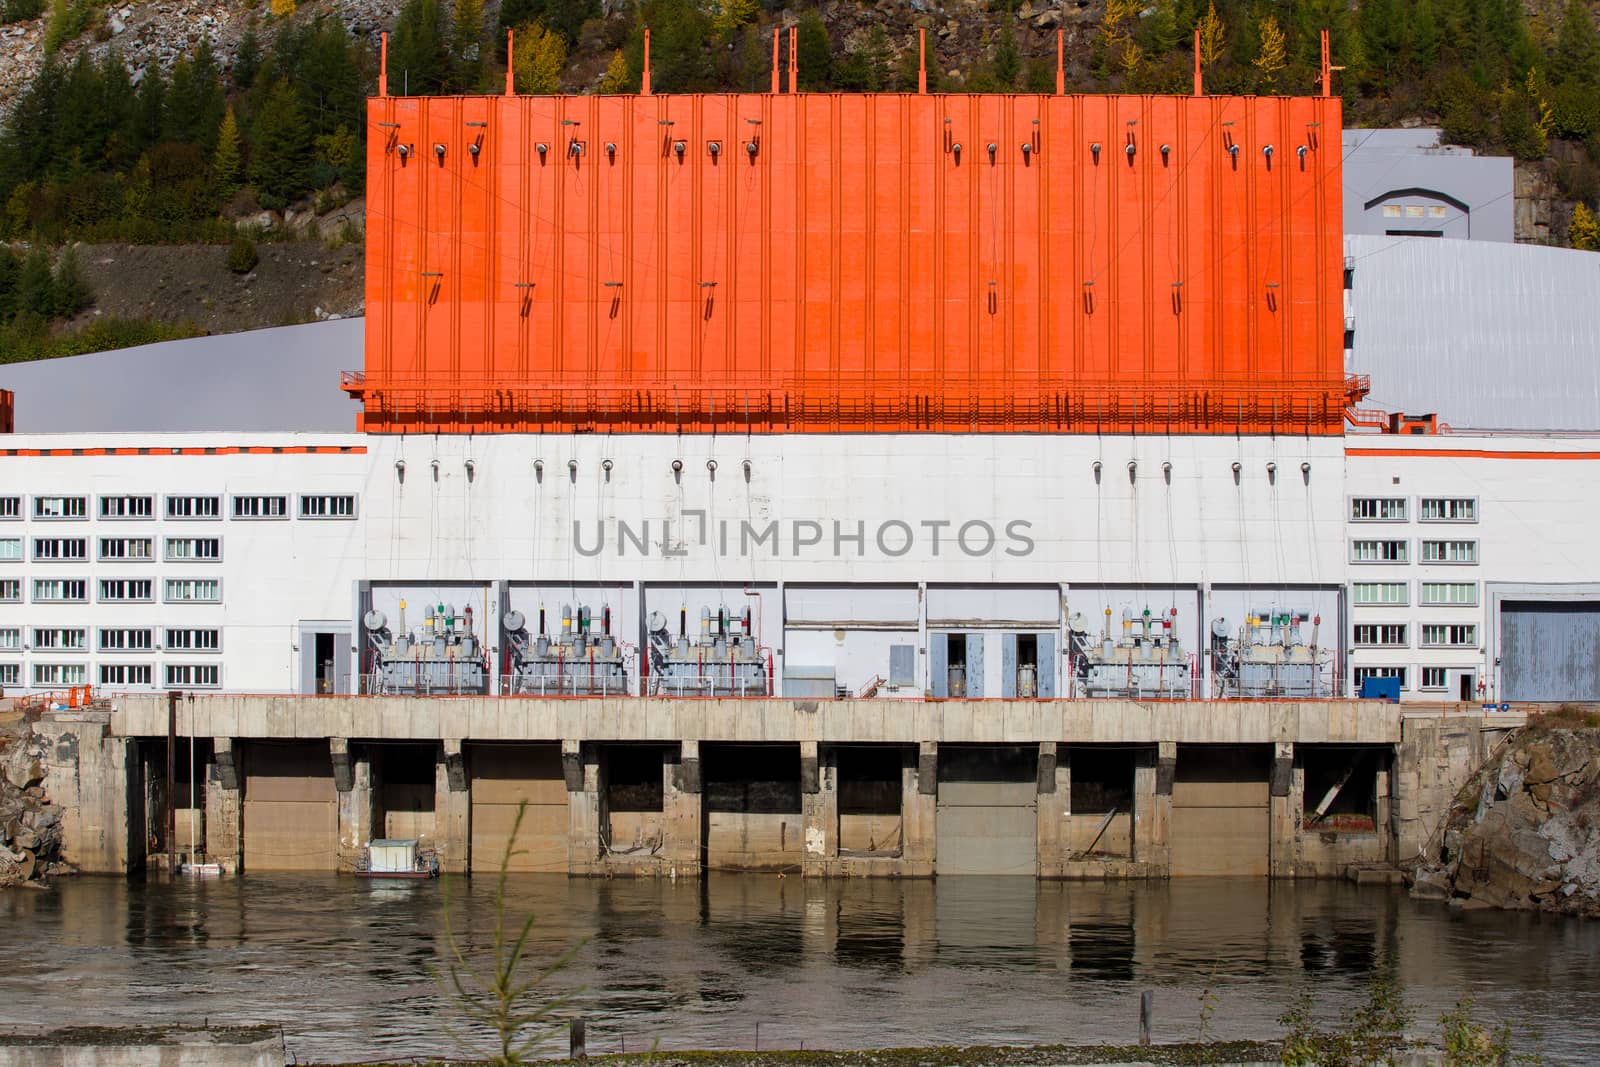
(30, 826)
(1525, 831)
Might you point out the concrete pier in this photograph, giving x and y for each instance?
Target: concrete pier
(862, 788)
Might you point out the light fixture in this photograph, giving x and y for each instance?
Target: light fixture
(572, 468)
(680, 147)
(606, 465)
(438, 150)
(400, 469)
(1166, 150)
(1266, 150)
(955, 150)
(405, 152)
(1094, 150)
(611, 149)
(541, 148)
(471, 467)
(1027, 149)
(1301, 152)
(1233, 150)
(1129, 149)
(1097, 470)
(714, 149)
(473, 149)
(711, 465)
(677, 466)
(1133, 470)
(538, 470)
(747, 470)
(1237, 467)
(993, 149)
(751, 149)
(435, 465)
(1166, 471)
(1272, 472)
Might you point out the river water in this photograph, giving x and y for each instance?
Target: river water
(741, 960)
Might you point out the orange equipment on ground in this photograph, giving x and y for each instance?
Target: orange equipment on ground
(832, 262)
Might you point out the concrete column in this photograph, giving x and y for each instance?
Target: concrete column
(919, 803)
(819, 807)
(452, 809)
(352, 778)
(580, 764)
(98, 781)
(1382, 807)
(1153, 775)
(1283, 818)
(224, 806)
(1053, 811)
(681, 811)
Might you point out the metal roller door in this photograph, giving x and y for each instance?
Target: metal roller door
(291, 810)
(1550, 650)
(987, 819)
(502, 777)
(1221, 799)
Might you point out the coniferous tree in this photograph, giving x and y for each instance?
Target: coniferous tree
(195, 101)
(69, 290)
(247, 61)
(1576, 56)
(815, 53)
(280, 158)
(149, 109)
(540, 58)
(226, 164)
(466, 43)
(418, 63)
(615, 79)
(10, 268)
(35, 284)
(679, 30)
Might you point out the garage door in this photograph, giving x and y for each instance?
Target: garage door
(1220, 804)
(1550, 650)
(291, 811)
(988, 819)
(502, 777)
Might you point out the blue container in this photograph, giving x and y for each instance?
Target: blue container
(1381, 689)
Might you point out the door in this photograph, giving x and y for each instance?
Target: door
(987, 815)
(1550, 650)
(502, 777)
(1469, 686)
(1221, 797)
(291, 810)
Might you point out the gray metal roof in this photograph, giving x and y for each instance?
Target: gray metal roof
(1386, 166)
(1486, 335)
(285, 378)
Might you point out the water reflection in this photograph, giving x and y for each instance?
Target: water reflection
(343, 965)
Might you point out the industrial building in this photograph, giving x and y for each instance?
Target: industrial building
(877, 410)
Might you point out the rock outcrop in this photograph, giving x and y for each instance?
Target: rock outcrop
(1525, 832)
(30, 826)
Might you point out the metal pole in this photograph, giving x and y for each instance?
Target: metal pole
(1147, 1007)
(172, 813)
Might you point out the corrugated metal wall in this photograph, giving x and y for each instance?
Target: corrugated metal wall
(1550, 650)
(1148, 262)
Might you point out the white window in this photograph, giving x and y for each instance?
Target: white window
(193, 590)
(10, 674)
(206, 675)
(60, 639)
(10, 638)
(194, 507)
(1453, 594)
(10, 549)
(60, 590)
(125, 674)
(187, 548)
(1380, 635)
(261, 507)
(1434, 677)
(10, 590)
(10, 507)
(59, 673)
(1449, 509)
(126, 640)
(1449, 635)
(1390, 593)
(127, 590)
(1378, 509)
(1379, 551)
(60, 507)
(58, 549)
(1391, 211)
(339, 506)
(127, 507)
(194, 640)
(1363, 673)
(127, 548)
(1449, 551)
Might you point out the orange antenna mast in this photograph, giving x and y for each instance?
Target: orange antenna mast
(794, 58)
(1061, 63)
(1327, 67)
(644, 80)
(1199, 79)
(922, 60)
(775, 32)
(511, 86)
(383, 63)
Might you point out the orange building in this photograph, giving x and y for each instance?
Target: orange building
(854, 263)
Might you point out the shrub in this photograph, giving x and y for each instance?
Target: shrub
(242, 255)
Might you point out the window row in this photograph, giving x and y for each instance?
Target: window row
(1398, 635)
(1399, 551)
(114, 590)
(190, 675)
(113, 639)
(262, 506)
(1432, 678)
(1429, 508)
(133, 549)
(1430, 594)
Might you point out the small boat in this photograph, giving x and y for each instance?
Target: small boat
(201, 870)
(397, 858)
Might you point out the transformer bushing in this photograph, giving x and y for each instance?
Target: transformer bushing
(1268, 658)
(724, 660)
(577, 662)
(1146, 662)
(445, 659)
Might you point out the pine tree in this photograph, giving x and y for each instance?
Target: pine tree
(280, 147)
(616, 78)
(225, 162)
(539, 60)
(1007, 61)
(1576, 56)
(1584, 232)
(865, 67)
(10, 267)
(418, 64)
(732, 16)
(1271, 59)
(679, 30)
(195, 101)
(815, 52)
(466, 42)
(247, 61)
(69, 290)
(34, 285)
(1213, 36)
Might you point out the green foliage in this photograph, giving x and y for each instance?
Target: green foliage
(1373, 1032)
(1584, 231)
(195, 102)
(68, 20)
(1469, 1044)
(419, 64)
(226, 165)
(280, 165)
(21, 10)
(815, 52)
(866, 66)
(69, 290)
(1575, 59)
(466, 42)
(679, 59)
(566, 17)
(34, 293)
(27, 338)
(495, 994)
(247, 60)
(541, 56)
(242, 255)
(1007, 60)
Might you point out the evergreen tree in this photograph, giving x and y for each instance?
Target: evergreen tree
(247, 61)
(280, 140)
(418, 63)
(1007, 61)
(615, 79)
(10, 268)
(149, 109)
(866, 64)
(34, 285)
(26, 146)
(69, 290)
(195, 101)
(1584, 232)
(466, 43)
(1576, 56)
(679, 60)
(81, 125)
(226, 165)
(815, 51)
(564, 16)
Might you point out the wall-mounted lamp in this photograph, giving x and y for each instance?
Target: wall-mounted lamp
(1272, 472)
(1266, 152)
(611, 151)
(993, 149)
(1094, 150)
(1233, 151)
(955, 150)
(404, 152)
(538, 470)
(542, 149)
(1166, 471)
(1237, 468)
(1129, 148)
(1027, 150)
(572, 469)
(680, 147)
(435, 465)
(746, 466)
(752, 149)
(1096, 468)
(1166, 150)
(677, 466)
(1301, 152)
(472, 469)
(1133, 470)
(473, 149)
(438, 152)
(711, 465)
(1305, 472)
(713, 149)
(605, 466)
(400, 470)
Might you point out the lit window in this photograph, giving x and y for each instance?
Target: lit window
(1377, 509)
(1452, 594)
(1449, 635)
(1378, 551)
(60, 590)
(193, 590)
(128, 548)
(341, 506)
(1436, 211)
(126, 640)
(127, 507)
(194, 507)
(200, 548)
(1415, 211)
(261, 507)
(60, 507)
(1449, 551)
(1390, 593)
(127, 590)
(125, 674)
(1434, 677)
(10, 549)
(1380, 635)
(198, 675)
(59, 673)
(193, 640)
(1449, 509)
(1391, 211)
(58, 549)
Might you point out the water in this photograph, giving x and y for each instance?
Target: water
(343, 965)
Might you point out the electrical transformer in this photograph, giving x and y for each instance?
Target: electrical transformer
(1146, 661)
(722, 660)
(580, 661)
(445, 658)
